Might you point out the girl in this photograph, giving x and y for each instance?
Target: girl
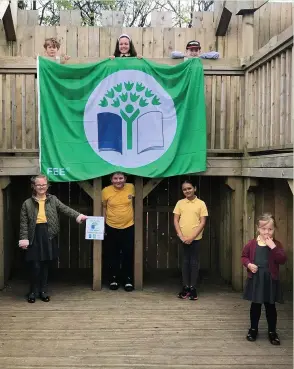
(262, 257)
(124, 48)
(189, 221)
(118, 211)
(38, 231)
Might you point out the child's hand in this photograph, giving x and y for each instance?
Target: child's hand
(112, 57)
(81, 218)
(23, 244)
(252, 267)
(139, 56)
(270, 243)
(65, 57)
(188, 241)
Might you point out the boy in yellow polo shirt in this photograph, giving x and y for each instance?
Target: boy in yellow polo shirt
(189, 221)
(118, 210)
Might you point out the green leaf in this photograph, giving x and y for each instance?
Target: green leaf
(148, 93)
(143, 102)
(155, 101)
(103, 102)
(129, 86)
(139, 87)
(134, 97)
(124, 97)
(118, 88)
(110, 94)
(115, 103)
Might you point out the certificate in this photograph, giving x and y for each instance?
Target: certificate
(95, 228)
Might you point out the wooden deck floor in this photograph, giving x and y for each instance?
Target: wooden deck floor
(81, 329)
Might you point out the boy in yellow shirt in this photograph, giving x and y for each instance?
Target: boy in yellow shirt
(118, 210)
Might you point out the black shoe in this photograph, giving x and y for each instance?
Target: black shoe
(32, 297)
(193, 294)
(185, 293)
(44, 297)
(129, 285)
(252, 335)
(274, 338)
(113, 284)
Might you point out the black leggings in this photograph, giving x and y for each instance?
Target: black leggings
(190, 263)
(38, 276)
(270, 312)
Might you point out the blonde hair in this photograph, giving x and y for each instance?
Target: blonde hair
(53, 41)
(265, 217)
(33, 181)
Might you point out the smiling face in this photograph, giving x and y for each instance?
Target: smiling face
(124, 45)
(266, 228)
(193, 52)
(40, 187)
(188, 190)
(118, 180)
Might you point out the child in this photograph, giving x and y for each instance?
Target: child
(262, 257)
(52, 46)
(193, 49)
(189, 221)
(39, 227)
(124, 48)
(117, 200)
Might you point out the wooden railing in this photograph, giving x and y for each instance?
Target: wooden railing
(268, 86)
(224, 89)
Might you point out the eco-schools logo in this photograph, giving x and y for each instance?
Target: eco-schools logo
(129, 119)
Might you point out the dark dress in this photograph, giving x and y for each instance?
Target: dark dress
(42, 248)
(261, 287)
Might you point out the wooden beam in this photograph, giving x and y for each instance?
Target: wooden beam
(87, 187)
(290, 183)
(9, 26)
(249, 214)
(138, 257)
(286, 173)
(236, 185)
(223, 21)
(4, 182)
(283, 160)
(150, 185)
(97, 245)
(247, 35)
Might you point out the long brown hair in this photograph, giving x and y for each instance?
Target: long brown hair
(132, 51)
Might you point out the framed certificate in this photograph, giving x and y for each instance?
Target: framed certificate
(95, 228)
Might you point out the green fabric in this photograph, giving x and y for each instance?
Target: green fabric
(126, 114)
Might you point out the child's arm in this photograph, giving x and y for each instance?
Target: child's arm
(177, 228)
(277, 251)
(24, 228)
(66, 210)
(197, 230)
(64, 58)
(177, 55)
(210, 55)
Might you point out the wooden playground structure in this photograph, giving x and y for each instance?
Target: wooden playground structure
(249, 106)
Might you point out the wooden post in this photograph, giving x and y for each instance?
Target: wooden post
(247, 35)
(236, 185)
(4, 182)
(97, 245)
(249, 214)
(290, 183)
(138, 257)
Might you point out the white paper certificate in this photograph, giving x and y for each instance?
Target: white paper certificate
(95, 228)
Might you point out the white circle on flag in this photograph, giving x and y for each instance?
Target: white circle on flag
(129, 119)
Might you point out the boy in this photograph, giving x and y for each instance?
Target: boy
(193, 49)
(52, 46)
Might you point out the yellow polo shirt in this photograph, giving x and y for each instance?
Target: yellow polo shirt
(190, 213)
(119, 205)
(41, 217)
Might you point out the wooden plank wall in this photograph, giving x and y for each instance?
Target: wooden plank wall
(18, 110)
(270, 20)
(269, 94)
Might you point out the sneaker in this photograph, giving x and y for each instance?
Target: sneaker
(114, 284)
(274, 338)
(185, 293)
(129, 285)
(193, 294)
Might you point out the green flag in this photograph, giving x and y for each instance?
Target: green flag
(126, 114)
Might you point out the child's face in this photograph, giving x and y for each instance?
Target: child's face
(266, 229)
(51, 50)
(41, 186)
(188, 190)
(118, 180)
(193, 52)
(124, 45)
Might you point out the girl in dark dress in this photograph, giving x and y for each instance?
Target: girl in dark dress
(39, 227)
(262, 257)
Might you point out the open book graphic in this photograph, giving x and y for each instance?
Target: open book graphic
(109, 132)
